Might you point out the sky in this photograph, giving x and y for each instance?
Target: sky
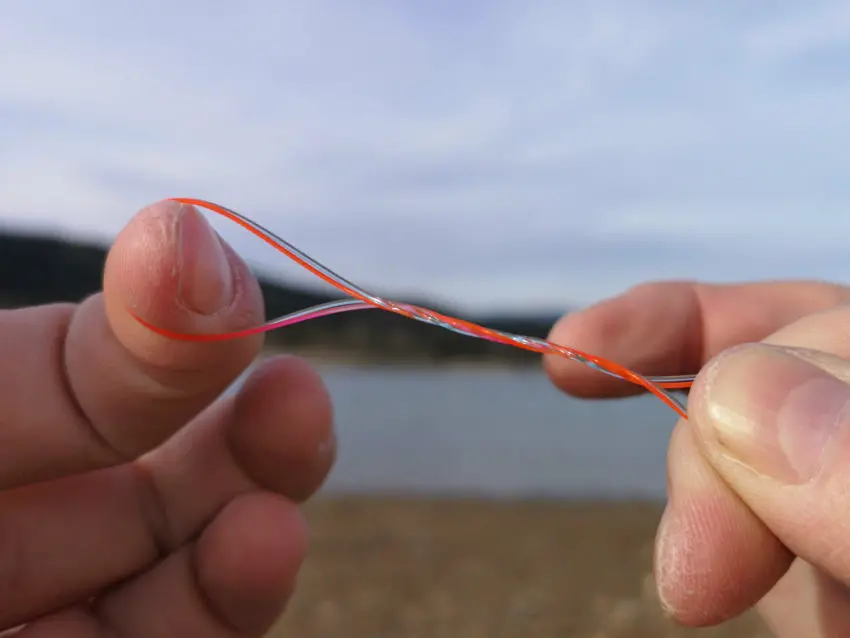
(498, 154)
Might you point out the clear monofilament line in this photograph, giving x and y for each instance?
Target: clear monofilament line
(362, 300)
(539, 345)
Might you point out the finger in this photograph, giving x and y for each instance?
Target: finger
(63, 541)
(807, 602)
(88, 386)
(700, 575)
(670, 328)
(775, 424)
(705, 530)
(277, 433)
(233, 582)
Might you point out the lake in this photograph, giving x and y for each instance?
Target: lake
(493, 433)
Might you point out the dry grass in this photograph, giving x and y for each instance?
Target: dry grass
(385, 568)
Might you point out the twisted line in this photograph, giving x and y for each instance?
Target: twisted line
(361, 299)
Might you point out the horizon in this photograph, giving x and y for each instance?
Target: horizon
(316, 288)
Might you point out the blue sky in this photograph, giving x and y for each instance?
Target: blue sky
(509, 154)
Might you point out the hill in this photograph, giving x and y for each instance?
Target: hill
(40, 269)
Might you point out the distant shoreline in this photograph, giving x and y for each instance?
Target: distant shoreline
(37, 270)
(330, 356)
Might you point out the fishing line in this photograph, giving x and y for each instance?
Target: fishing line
(360, 299)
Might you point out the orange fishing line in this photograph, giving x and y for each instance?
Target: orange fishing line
(361, 299)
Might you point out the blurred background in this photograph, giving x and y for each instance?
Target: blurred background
(509, 161)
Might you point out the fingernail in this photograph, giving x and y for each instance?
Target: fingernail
(774, 412)
(206, 280)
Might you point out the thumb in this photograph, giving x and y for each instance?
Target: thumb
(775, 423)
(169, 267)
(87, 385)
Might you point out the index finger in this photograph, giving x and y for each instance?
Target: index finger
(671, 328)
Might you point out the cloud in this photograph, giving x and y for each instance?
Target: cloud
(505, 153)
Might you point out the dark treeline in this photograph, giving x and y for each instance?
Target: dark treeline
(37, 270)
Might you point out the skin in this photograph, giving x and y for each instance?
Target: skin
(134, 501)
(758, 479)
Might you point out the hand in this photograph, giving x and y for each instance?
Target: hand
(132, 502)
(759, 476)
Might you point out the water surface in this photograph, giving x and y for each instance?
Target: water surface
(497, 433)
